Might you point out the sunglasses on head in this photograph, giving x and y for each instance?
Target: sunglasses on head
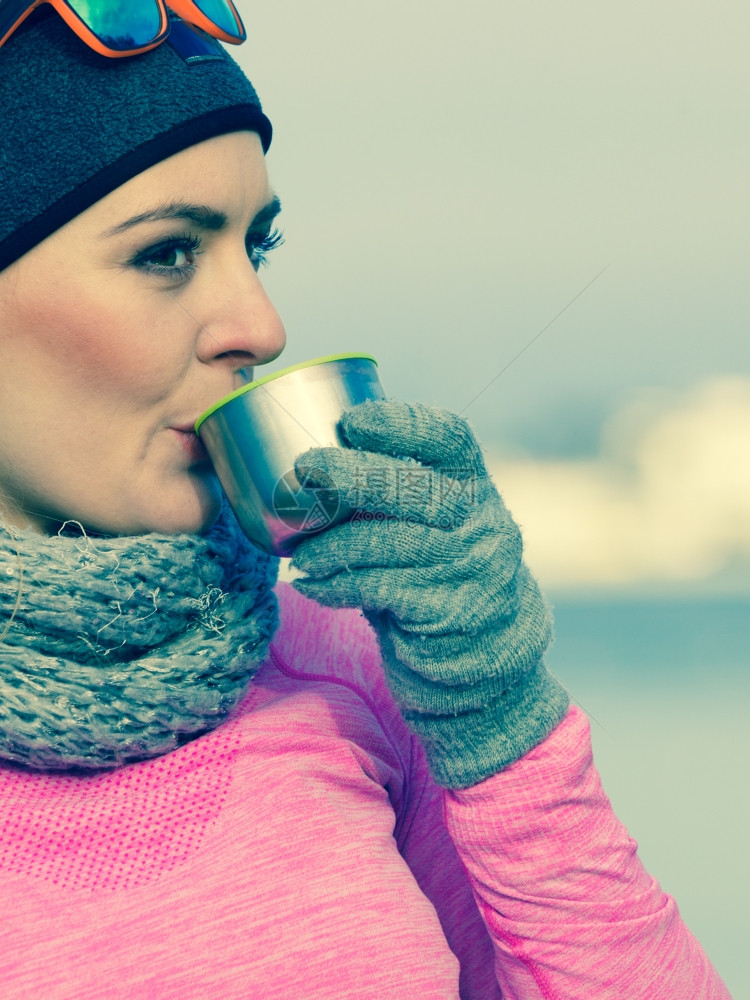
(126, 27)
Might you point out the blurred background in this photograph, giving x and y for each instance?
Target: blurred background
(537, 214)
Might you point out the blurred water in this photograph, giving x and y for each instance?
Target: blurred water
(667, 687)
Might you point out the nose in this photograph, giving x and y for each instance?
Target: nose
(243, 328)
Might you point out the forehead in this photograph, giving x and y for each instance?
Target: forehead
(227, 173)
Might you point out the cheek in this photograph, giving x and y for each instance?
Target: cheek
(107, 349)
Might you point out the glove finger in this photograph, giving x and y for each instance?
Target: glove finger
(400, 489)
(414, 596)
(441, 599)
(370, 589)
(418, 599)
(372, 540)
(432, 436)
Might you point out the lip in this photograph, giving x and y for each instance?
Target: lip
(191, 443)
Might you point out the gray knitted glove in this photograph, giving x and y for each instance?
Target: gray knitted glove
(434, 560)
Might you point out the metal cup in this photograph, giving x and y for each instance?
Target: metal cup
(254, 435)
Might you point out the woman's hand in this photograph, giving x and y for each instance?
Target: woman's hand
(433, 558)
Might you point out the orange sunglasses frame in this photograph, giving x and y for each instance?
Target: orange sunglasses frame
(185, 9)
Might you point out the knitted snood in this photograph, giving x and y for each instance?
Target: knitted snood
(123, 648)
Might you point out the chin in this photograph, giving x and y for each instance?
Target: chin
(186, 509)
(191, 513)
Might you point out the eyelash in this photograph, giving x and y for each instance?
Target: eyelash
(258, 246)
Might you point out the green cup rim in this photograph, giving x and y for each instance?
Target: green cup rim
(274, 375)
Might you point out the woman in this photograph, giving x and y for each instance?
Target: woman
(198, 799)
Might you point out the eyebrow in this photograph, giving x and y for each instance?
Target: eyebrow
(200, 215)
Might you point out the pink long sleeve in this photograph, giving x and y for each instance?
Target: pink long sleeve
(570, 908)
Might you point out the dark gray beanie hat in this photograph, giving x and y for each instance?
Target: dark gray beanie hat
(75, 125)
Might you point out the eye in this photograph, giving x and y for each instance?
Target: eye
(259, 245)
(174, 258)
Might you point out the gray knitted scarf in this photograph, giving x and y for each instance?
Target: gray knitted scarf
(119, 649)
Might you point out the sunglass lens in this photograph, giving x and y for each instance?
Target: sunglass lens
(121, 25)
(220, 13)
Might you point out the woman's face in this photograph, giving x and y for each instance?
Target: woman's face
(119, 329)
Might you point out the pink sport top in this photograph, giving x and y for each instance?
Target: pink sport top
(302, 852)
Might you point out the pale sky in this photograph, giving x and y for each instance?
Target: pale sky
(665, 504)
(453, 175)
